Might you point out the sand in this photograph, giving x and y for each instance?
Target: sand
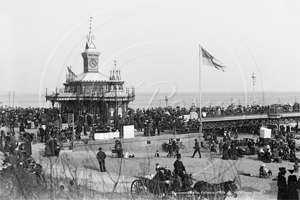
(210, 168)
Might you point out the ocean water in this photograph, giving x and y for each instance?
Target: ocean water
(149, 100)
(213, 99)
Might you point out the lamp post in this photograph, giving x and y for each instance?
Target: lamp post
(166, 99)
(253, 80)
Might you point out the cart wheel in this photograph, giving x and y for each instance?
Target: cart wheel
(137, 189)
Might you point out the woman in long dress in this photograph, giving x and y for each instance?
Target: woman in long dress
(47, 150)
(281, 184)
(233, 152)
(225, 151)
(292, 186)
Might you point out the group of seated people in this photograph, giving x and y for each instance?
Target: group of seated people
(179, 178)
(280, 151)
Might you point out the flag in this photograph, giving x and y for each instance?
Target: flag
(71, 73)
(211, 61)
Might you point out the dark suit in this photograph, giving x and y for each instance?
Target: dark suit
(101, 159)
(197, 149)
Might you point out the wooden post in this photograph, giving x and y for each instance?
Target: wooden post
(297, 125)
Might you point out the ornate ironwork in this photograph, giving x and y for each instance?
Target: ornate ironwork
(249, 122)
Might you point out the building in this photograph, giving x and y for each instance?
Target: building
(93, 92)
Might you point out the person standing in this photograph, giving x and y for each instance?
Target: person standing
(51, 147)
(197, 149)
(42, 133)
(296, 167)
(119, 149)
(179, 168)
(159, 127)
(292, 186)
(101, 159)
(233, 151)
(281, 184)
(221, 147)
(225, 151)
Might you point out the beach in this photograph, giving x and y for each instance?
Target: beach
(210, 168)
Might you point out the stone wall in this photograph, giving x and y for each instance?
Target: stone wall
(138, 144)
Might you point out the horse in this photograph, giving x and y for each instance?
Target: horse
(215, 191)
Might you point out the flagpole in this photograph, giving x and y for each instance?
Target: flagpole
(200, 113)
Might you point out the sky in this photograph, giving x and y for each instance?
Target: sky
(155, 43)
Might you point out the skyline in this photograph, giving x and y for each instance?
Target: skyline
(155, 43)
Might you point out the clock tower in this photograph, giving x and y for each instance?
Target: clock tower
(90, 55)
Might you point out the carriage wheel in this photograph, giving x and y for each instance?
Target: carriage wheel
(137, 189)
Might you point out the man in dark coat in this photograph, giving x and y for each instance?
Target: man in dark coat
(197, 149)
(281, 184)
(101, 159)
(21, 127)
(42, 133)
(78, 131)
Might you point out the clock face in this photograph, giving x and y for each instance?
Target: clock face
(92, 63)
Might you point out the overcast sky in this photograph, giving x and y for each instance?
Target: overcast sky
(155, 43)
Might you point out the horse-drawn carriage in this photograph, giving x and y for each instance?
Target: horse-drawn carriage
(145, 187)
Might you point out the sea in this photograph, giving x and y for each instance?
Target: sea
(162, 99)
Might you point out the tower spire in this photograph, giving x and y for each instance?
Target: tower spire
(115, 61)
(90, 31)
(90, 37)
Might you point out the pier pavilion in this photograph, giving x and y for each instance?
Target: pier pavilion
(93, 92)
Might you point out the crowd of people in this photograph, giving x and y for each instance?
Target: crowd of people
(279, 149)
(153, 120)
(48, 122)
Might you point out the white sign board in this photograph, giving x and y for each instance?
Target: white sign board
(128, 131)
(98, 136)
(265, 133)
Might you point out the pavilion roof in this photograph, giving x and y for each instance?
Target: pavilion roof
(91, 77)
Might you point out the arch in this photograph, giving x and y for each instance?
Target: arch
(120, 111)
(111, 112)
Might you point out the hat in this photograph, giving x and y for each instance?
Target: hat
(178, 156)
(156, 164)
(282, 169)
(291, 171)
(195, 139)
(263, 165)
(100, 148)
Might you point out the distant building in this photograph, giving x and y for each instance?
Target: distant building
(93, 92)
